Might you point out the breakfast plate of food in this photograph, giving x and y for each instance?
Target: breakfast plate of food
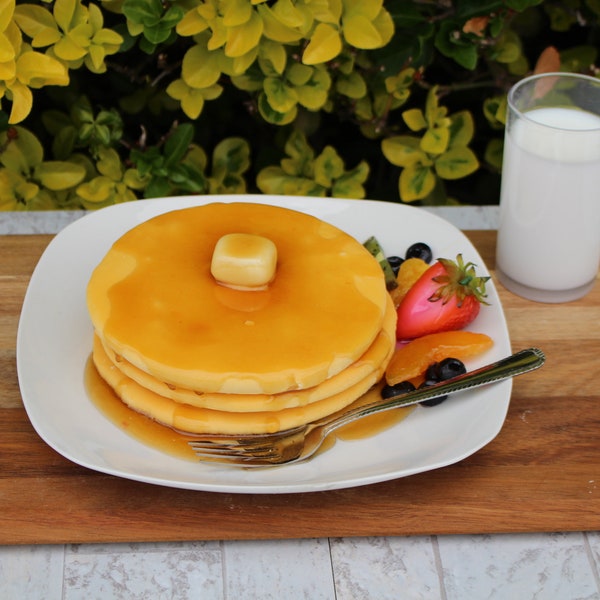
(144, 326)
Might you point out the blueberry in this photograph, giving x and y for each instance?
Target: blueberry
(420, 250)
(432, 401)
(436, 372)
(395, 262)
(389, 391)
(431, 374)
(450, 367)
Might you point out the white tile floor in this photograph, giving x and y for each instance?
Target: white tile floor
(560, 566)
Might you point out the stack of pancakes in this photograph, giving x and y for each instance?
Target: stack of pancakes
(201, 357)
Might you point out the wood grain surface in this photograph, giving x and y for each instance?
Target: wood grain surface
(541, 473)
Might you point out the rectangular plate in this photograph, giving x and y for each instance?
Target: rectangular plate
(55, 336)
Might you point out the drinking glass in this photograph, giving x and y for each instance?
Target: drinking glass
(549, 232)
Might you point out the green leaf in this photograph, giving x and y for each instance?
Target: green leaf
(177, 143)
(521, 5)
(270, 115)
(452, 44)
(63, 142)
(458, 162)
(232, 155)
(578, 58)
(148, 12)
(416, 182)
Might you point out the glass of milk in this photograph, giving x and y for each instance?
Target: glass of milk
(549, 232)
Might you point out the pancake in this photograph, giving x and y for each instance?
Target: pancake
(194, 420)
(368, 363)
(154, 303)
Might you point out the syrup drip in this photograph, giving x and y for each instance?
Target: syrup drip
(175, 443)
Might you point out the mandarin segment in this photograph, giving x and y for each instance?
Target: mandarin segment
(412, 359)
(410, 270)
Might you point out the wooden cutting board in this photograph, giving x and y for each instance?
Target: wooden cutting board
(541, 473)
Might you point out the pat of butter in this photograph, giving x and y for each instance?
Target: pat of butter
(244, 261)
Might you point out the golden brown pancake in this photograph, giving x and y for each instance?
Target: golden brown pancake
(195, 420)
(368, 363)
(154, 302)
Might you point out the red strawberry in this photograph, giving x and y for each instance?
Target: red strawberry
(447, 296)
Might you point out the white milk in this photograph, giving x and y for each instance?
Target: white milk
(550, 193)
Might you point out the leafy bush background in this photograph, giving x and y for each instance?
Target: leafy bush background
(400, 100)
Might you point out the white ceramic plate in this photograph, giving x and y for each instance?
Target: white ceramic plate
(55, 337)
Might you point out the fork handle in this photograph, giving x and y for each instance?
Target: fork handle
(516, 364)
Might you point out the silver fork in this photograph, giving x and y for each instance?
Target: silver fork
(300, 443)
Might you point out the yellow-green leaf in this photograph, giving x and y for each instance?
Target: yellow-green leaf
(416, 182)
(69, 14)
(311, 97)
(328, 166)
(352, 85)
(360, 32)
(274, 53)
(435, 140)
(37, 70)
(494, 153)
(414, 119)
(37, 23)
(456, 163)
(367, 8)
(326, 11)
(274, 29)
(384, 24)
(281, 97)
(462, 128)
(192, 23)
(67, 49)
(7, 8)
(133, 180)
(236, 12)
(289, 14)
(298, 147)
(270, 180)
(200, 68)
(22, 153)
(243, 38)
(59, 175)
(299, 74)
(325, 44)
(109, 163)
(269, 114)
(403, 150)
(494, 110)
(22, 101)
(97, 190)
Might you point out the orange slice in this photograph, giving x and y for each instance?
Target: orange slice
(412, 359)
(410, 270)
